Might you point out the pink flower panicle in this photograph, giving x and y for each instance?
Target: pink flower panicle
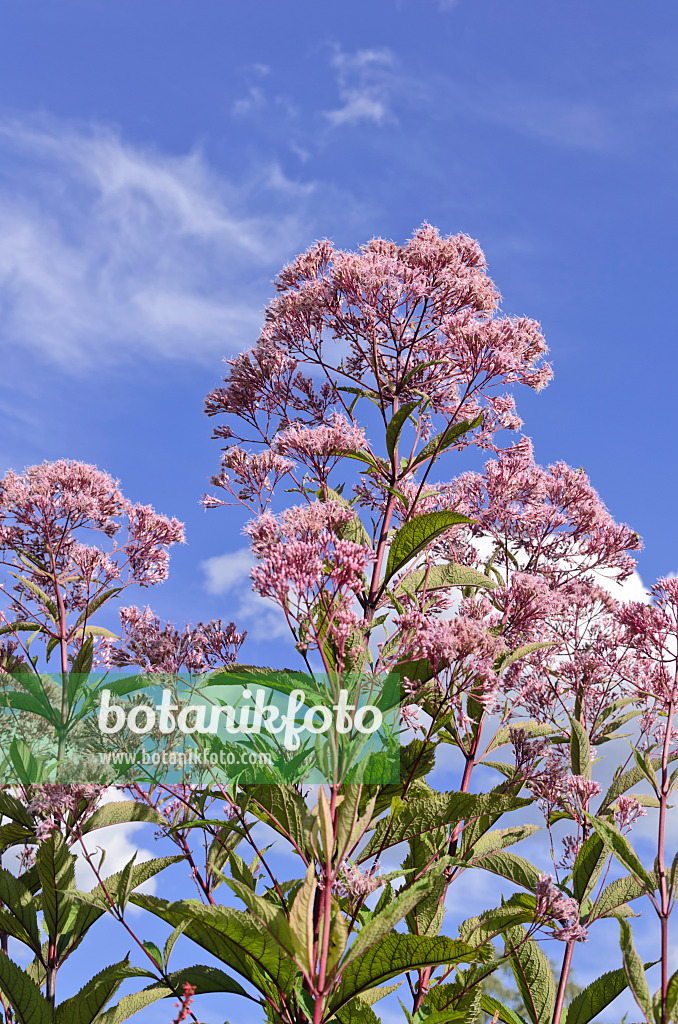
(354, 883)
(184, 1006)
(56, 807)
(552, 906)
(67, 528)
(304, 565)
(418, 321)
(627, 812)
(164, 649)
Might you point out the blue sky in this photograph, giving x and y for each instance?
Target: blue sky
(160, 161)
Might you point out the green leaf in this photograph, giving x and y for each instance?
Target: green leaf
(87, 1004)
(616, 895)
(423, 814)
(396, 425)
(46, 601)
(82, 663)
(499, 839)
(19, 899)
(533, 975)
(439, 577)
(285, 811)
(396, 954)
(134, 1003)
(357, 1012)
(511, 866)
(623, 850)
(21, 626)
(588, 867)
(672, 996)
(171, 941)
(28, 1002)
(95, 604)
(530, 728)
(122, 811)
(635, 972)
(155, 953)
(627, 780)
(384, 923)
(233, 936)
(503, 1013)
(204, 979)
(580, 750)
(98, 631)
(595, 997)
(415, 534)
(12, 808)
(447, 437)
(504, 660)
(56, 867)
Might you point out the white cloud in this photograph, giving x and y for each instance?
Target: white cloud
(225, 572)
(632, 589)
(229, 573)
(254, 100)
(367, 81)
(109, 250)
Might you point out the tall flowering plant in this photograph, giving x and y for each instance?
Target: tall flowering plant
(70, 545)
(484, 595)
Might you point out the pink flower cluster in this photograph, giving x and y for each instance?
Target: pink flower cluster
(164, 649)
(415, 321)
(56, 807)
(354, 883)
(553, 906)
(48, 517)
(309, 570)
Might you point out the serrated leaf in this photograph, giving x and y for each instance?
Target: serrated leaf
(19, 900)
(439, 577)
(86, 1006)
(588, 866)
(27, 1001)
(635, 971)
(393, 955)
(44, 599)
(436, 810)
(95, 604)
(301, 922)
(616, 895)
(595, 997)
(499, 1011)
(622, 849)
(56, 867)
(672, 997)
(122, 811)
(580, 750)
(499, 839)
(533, 975)
(627, 780)
(233, 936)
(447, 437)
(415, 534)
(504, 660)
(511, 866)
(398, 421)
(530, 728)
(384, 923)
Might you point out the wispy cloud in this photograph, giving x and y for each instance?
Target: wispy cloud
(226, 572)
(108, 249)
(367, 81)
(229, 574)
